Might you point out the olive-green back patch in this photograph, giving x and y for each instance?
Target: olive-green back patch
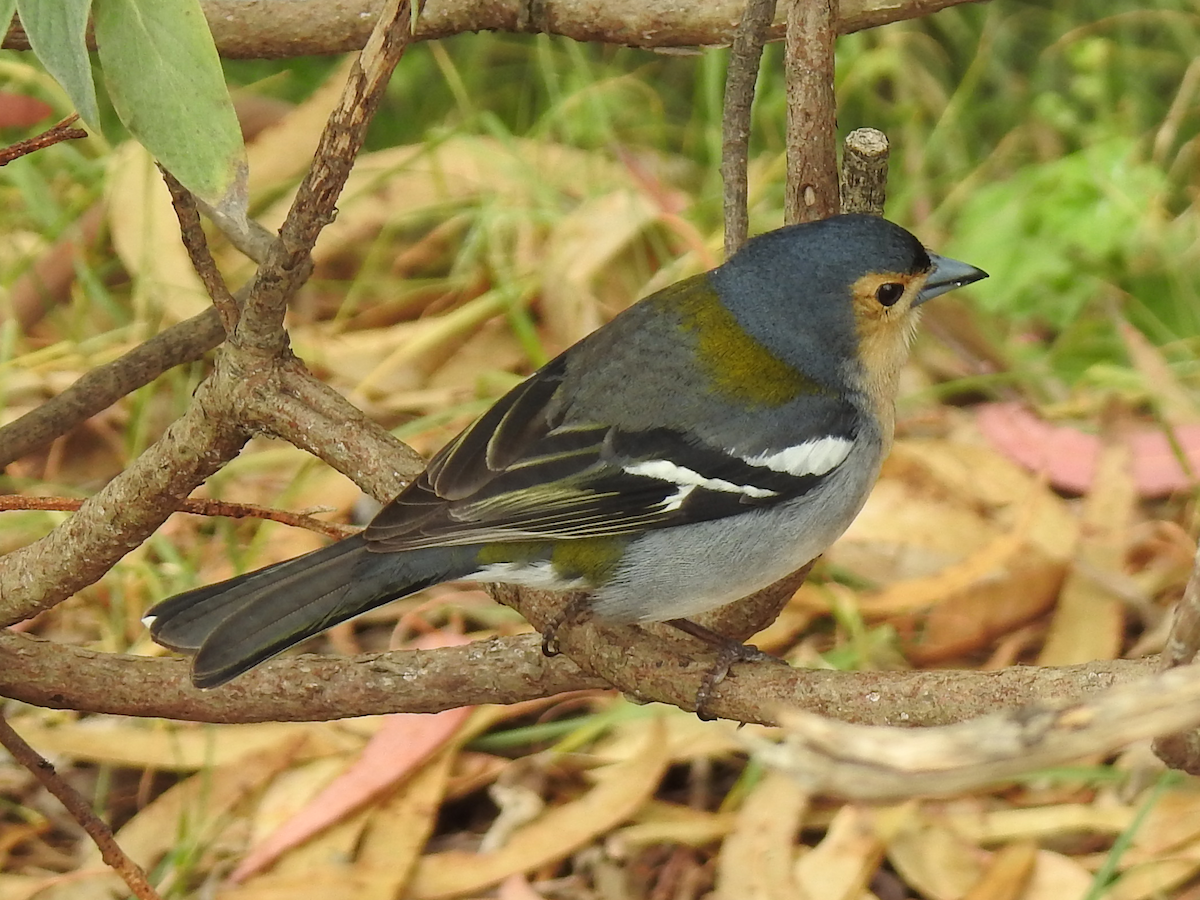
(738, 366)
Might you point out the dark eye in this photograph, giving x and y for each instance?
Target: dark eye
(889, 293)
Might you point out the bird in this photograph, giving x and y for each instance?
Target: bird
(707, 441)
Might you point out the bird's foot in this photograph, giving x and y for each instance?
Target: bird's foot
(729, 651)
(574, 608)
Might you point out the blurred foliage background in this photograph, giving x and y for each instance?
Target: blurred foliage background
(520, 189)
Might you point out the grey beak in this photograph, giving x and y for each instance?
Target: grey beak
(947, 275)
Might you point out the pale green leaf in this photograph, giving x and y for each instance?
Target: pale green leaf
(7, 8)
(165, 81)
(57, 33)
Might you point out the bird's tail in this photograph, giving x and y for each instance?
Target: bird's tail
(236, 624)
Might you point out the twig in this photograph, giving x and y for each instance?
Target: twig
(54, 135)
(192, 233)
(288, 263)
(744, 58)
(882, 763)
(812, 184)
(195, 506)
(1181, 750)
(864, 171)
(98, 389)
(110, 851)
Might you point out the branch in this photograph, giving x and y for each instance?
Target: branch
(283, 29)
(744, 58)
(812, 182)
(288, 262)
(512, 669)
(295, 406)
(881, 763)
(53, 135)
(196, 506)
(123, 514)
(100, 388)
(81, 811)
(196, 244)
(864, 172)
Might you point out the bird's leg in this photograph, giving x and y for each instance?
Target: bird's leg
(729, 651)
(575, 607)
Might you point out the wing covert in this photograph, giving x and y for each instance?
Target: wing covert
(520, 473)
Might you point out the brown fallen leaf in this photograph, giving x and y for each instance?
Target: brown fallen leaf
(934, 860)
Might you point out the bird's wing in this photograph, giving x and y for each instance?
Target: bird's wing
(518, 474)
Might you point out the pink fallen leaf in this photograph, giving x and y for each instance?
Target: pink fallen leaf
(1068, 455)
(401, 745)
(21, 111)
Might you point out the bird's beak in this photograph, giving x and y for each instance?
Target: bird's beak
(947, 275)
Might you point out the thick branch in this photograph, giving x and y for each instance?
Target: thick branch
(510, 670)
(283, 29)
(122, 515)
(295, 406)
(812, 177)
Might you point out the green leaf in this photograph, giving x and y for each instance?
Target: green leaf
(7, 8)
(166, 84)
(57, 33)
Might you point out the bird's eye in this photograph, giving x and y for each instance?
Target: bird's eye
(889, 293)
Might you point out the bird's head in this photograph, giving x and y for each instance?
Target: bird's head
(839, 298)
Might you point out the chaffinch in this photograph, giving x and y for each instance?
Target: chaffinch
(708, 441)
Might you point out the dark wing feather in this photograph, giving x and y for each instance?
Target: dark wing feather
(520, 473)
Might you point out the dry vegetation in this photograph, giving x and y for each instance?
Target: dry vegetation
(460, 260)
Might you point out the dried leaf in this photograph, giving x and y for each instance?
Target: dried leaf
(1089, 622)
(399, 827)
(1008, 874)
(403, 744)
(756, 859)
(145, 234)
(934, 860)
(666, 823)
(192, 810)
(1057, 877)
(1151, 880)
(841, 865)
(180, 747)
(581, 246)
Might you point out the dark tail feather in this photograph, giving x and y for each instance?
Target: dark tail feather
(235, 625)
